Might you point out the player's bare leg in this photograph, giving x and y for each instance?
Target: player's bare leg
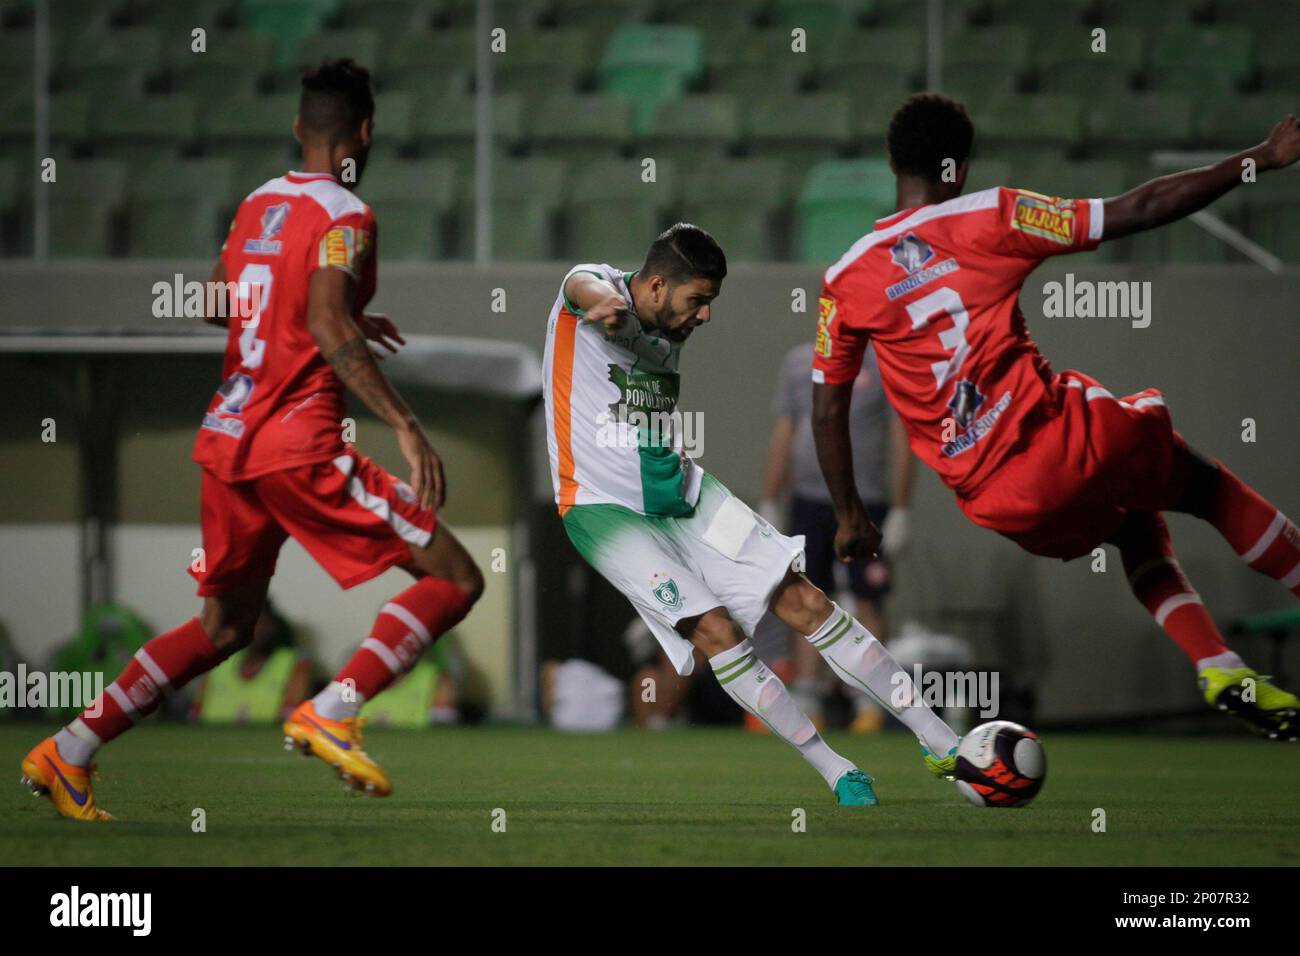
(447, 585)
(862, 662)
(749, 682)
(60, 767)
(1159, 584)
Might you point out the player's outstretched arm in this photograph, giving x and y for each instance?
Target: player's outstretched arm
(857, 536)
(1172, 197)
(597, 300)
(341, 342)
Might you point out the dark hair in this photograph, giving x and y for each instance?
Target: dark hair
(926, 130)
(336, 97)
(684, 252)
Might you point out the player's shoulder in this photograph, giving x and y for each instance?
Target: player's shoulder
(321, 191)
(602, 269)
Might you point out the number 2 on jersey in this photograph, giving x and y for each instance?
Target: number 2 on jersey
(254, 295)
(940, 302)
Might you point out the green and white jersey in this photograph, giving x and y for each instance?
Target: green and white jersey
(612, 429)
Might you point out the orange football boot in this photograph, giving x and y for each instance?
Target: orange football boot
(67, 787)
(338, 743)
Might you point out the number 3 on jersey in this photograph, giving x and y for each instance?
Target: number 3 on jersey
(940, 302)
(254, 295)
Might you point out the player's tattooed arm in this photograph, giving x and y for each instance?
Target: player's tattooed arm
(857, 536)
(341, 342)
(1172, 197)
(217, 305)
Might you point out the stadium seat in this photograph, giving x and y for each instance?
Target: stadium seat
(249, 128)
(989, 171)
(411, 201)
(742, 203)
(800, 129)
(139, 129)
(526, 198)
(429, 63)
(175, 21)
(1065, 61)
(1151, 17)
(390, 19)
(361, 45)
(612, 214)
(824, 20)
(872, 62)
(544, 60)
(119, 62)
(756, 64)
(993, 60)
(899, 13)
(649, 64)
(1279, 57)
(1200, 61)
(578, 127)
(1237, 121)
(511, 15)
(1034, 125)
(1130, 126)
(693, 128)
(841, 201)
(13, 187)
(713, 19)
(233, 65)
(84, 201)
(601, 17)
(444, 126)
(69, 122)
(287, 20)
(178, 208)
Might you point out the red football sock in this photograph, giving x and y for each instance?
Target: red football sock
(1159, 583)
(1257, 531)
(166, 663)
(405, 627)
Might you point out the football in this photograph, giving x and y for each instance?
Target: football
(1000, 764)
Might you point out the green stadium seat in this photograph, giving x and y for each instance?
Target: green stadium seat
(69, 122)
(1151, 17)
(411, 201)
(1033, 125)
(871, 116)
(900, 13)
(650, 64)
(119, 63)
(824, 20)
(243, 129)
(176, 20)
(741, 202)
(801, 129)
(1237, 121)
(1045, 20)
(511, 15)
(390, 19)
(253, 168)
(429, 63)
(870, 63)
(444, 126)
(757, 64)
(1200, 61)
(1130, 126)
(137, 130)
(552, 60)
(287, 20)
(989, 171)
(600, 16)
(1065, 61)
(693, 128)
(994, 59)
(612, 215)
(178, 209)
(232, 66)
(71, 18)
(526, 199)
(361, 45)
(840, 202)
(577, 127)
(713, 19)
(1278, 55)
(84, 202)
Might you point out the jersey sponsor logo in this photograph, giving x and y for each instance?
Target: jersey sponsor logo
(231, 427)
(912, 255)
(1045, 217)
(273, 220)
(965, 402)
(825, 315)
(665, 591)
(979, 427)
(343, 247)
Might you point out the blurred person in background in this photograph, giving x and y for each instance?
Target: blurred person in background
(796, 499)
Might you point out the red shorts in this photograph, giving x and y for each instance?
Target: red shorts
(353, 517)
(1093, 460)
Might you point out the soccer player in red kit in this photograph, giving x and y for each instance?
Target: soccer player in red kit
(300, 262)
(1054, 462)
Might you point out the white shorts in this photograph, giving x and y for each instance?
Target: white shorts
(722, 555)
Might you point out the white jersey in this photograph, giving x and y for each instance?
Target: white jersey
(612, 430)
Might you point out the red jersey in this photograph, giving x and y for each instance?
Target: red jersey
(937, 289)
(280, 404)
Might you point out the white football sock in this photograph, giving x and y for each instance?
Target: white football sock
(1227, 659)
(861, 661)
(337, 702)
(750, 684)
(77, 743)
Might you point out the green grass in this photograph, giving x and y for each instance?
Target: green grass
(700, 796)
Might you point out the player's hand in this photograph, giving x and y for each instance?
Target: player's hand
(426, 467)
(856, 538)
(377, 327)
(895, 532)
(1282, 148)
(611, 312)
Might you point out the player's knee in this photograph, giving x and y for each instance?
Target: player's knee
(469, 579)
(229, 627)
(802, 605)
(714, 633)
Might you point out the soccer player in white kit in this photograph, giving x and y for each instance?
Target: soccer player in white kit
(698, 565)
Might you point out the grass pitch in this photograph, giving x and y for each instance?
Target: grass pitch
(694, 796)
